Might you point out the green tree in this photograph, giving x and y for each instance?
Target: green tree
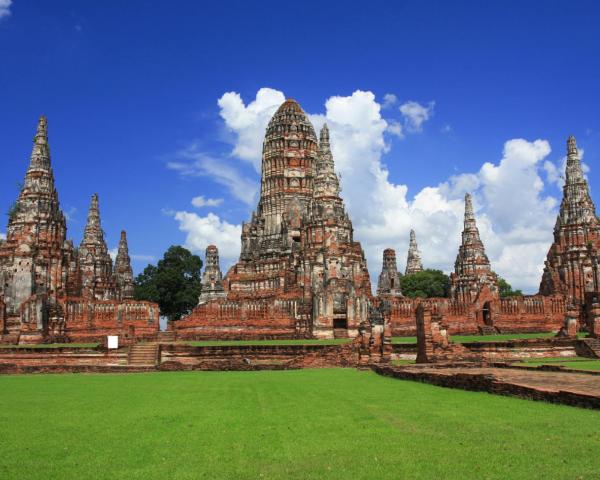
(427, 283)
(506, 289)
(174, 283)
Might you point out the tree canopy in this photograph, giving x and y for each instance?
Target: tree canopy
(174, 283)
(427, 283)
(506, 289)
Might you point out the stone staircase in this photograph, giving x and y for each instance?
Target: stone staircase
(487, 330)
(340, 333)
(143, 354)
(166, 337)
(593, 345)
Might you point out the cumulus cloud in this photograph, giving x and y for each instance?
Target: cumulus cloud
(249, 122)
(113, 253)
(389, 100)
(395, 128)
(514, 216)
(200, 202)
(193, 163)
(210, 229)
(5, 8)
(2, 236)
(415, 114)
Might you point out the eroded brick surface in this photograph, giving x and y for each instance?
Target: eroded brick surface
(571, 267)
(300, 272)
(51, 291)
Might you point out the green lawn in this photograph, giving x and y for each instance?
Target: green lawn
(302, 341)
(485, 338)
(580, 363)
(302, 424)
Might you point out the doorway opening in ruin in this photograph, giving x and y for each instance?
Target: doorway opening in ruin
(340, 323)
(487, 316)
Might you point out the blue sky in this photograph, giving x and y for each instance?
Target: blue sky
(136, 94)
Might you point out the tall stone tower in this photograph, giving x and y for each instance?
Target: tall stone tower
(288, 168)
(123, 272)
(212, 286)
(335, 275)
(42, 296)
(389, 278)
(35, 257)
(95, 262)
(413, 260)
(571, 266)
(472, 271)
(299, 246)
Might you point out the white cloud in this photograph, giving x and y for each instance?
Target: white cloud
(395, 128)
(70, 213)
(515, 218)
(2, 236)
(416, 114)
(200, 202)
(210, 229)
(389, 100)
(113, 253)
(249, 122)
(193, 163)
(5, 8)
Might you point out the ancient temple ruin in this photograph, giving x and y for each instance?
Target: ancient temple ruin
(572, 265)
(413, 259)
(123, 272)
(97, 279)
(473, 277)
(212, 279)
(52, 291)
(389, 278)
(300, 272)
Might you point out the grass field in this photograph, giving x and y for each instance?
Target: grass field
(579, 363)
(304, 424)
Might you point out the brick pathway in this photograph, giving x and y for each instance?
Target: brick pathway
(549, 381)
(577, 389)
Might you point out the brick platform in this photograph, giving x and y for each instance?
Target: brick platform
(580, 389)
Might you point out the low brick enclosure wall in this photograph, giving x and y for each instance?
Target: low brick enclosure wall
(30, 360)
(482, 382)
(522, 314)
(505, 350)
(245, 357)
(179, 357)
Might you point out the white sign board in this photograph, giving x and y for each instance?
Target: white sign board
(113, 341)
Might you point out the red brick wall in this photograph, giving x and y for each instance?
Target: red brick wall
(240, 320)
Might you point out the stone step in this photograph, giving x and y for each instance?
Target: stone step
(487, 330)
(340, 333)
(143, 354)
(594, 345)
